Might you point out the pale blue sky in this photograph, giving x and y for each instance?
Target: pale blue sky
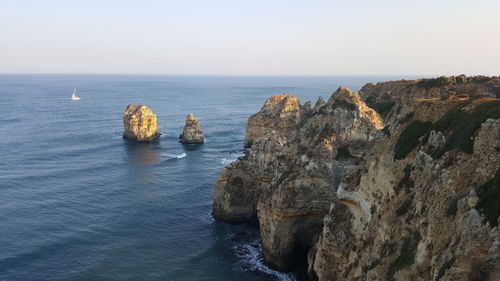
(256, 37)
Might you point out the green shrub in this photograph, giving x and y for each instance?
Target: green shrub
(436, 82)
(343, 153)
(480, 79)
(409, 138)
(407, 256)
(461, 126)
(369, 101)
(489, 199)
(406, 182)
(384, 107)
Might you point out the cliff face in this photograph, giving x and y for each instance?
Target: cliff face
(139, 123)
(192, 133)
(408, 191)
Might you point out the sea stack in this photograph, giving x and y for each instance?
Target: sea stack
(192, 133)
(139, 123)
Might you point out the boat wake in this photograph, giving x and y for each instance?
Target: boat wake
(174, 156)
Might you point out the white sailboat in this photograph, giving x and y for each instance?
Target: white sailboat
(74, 96)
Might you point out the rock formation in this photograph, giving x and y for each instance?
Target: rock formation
(401, 182)
(140, 123)
(192, 133)
(279, 112)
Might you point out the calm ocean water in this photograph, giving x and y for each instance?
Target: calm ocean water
(79, 203)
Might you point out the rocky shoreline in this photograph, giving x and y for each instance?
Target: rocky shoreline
(397, 182)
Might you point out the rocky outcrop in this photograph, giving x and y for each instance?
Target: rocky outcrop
(258, 186)
(402, 187)
(192, 133)
(279, 113)
(140, 124)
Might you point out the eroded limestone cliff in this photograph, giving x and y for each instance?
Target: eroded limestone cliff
(139, 123)
(400, 182)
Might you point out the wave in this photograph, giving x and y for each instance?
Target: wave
(174, 156)
(251, 260)
(231, 159)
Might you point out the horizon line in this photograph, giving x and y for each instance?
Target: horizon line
(238, 75)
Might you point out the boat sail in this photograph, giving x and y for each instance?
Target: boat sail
(74, 96)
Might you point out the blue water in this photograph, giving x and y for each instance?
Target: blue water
(77, 202)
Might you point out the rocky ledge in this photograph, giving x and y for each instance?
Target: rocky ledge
(192, 133)
(398, 182)
(139, 123)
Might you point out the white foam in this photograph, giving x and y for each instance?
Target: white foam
(174, 156)
(252, 260)
(180, 156)
(231, 159)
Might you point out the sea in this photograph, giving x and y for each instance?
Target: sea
(77, 202)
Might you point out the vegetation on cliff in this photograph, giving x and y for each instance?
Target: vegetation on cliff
(325, 190)
(461, 123)
(343, 153)
(410, 138)
(384, 107)
(406, 182)
(489, 199)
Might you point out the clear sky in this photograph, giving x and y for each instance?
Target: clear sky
(268, 37)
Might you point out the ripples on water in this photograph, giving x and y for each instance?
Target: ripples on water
(79, 203)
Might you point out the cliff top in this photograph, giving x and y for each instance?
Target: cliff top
(281, 103)
(349, 99)
(137, 109)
